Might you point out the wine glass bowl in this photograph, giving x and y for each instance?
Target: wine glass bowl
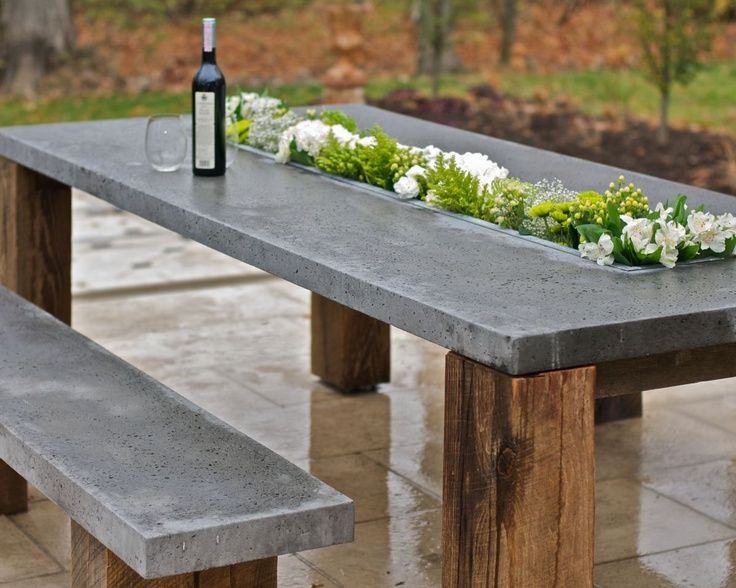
(166, 142)
(232, 139)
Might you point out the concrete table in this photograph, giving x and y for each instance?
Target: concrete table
(535, 334)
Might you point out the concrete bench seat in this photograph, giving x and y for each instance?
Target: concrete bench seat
(163, 485)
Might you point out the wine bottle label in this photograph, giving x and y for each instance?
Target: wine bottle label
(204, 120)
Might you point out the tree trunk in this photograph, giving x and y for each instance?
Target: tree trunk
(509, 11)
(433, 18)
(35, 34)
(665, 84)
(663, 132)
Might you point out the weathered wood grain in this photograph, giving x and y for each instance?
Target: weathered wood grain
(35, 238)
(350, 350)
(13, 491)
(618, 408)
(35, 262)
(95, 566)
(663, 370)
(518, 494)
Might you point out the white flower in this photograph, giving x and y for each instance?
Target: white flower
(706, 231)
(343, 136)
(284, 153)
(231, 105)
(431, 198)
(249, 96)
(407, 187)
(416, 171)
(668, 257)
(727, 224)
(431, 153)
(601, 252)
(669, 234)
(252, 104)
(310, 136)
(700, 222)
(478, 165)
(639, 232)
(664, 213)
(265, 130)
(351, 140)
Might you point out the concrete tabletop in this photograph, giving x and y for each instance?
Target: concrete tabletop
(495, 298)
(165, 485)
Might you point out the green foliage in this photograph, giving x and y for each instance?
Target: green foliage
(591, 208)
(554, 216)
(241, 128)
(502, 203)
(298, 156)
(403, 160)
(338, 117)
(509, 197)
(376, 161)
(372, 165)
(338, 160)
(456, 190)
(628, 198)
(673, 35)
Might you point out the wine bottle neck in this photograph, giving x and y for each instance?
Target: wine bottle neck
(208, 40)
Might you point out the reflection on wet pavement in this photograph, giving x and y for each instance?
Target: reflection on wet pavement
(666, 498)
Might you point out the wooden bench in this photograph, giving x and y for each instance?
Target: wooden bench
(155, 486)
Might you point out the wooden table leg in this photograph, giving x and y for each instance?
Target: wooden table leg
(95, 566)
(618, 408)
(35, 262)
(519, 483)
(350, 350)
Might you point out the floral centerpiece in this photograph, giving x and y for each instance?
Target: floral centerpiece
(614, 225)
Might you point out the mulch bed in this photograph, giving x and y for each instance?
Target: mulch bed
(692, 156)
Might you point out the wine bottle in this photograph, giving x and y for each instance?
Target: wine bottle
(208, 109)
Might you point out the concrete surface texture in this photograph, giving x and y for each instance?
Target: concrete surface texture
(235, 341)
(490, 296)
(164, 484)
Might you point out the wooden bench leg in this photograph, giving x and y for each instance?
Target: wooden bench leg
(35, 262)
(95, 566)
(617, 408)
(350, 350)
(519, 483)
(13, 491)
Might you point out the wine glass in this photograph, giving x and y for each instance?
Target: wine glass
(232, 139)
(166, 142)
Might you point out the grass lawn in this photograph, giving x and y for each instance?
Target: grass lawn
(709, 101)
(17, 112)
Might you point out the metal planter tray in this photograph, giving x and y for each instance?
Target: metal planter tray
(476, 221)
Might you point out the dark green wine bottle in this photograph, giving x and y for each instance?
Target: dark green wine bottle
(208, 109)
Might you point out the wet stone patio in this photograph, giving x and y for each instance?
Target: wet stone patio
(236, 341)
